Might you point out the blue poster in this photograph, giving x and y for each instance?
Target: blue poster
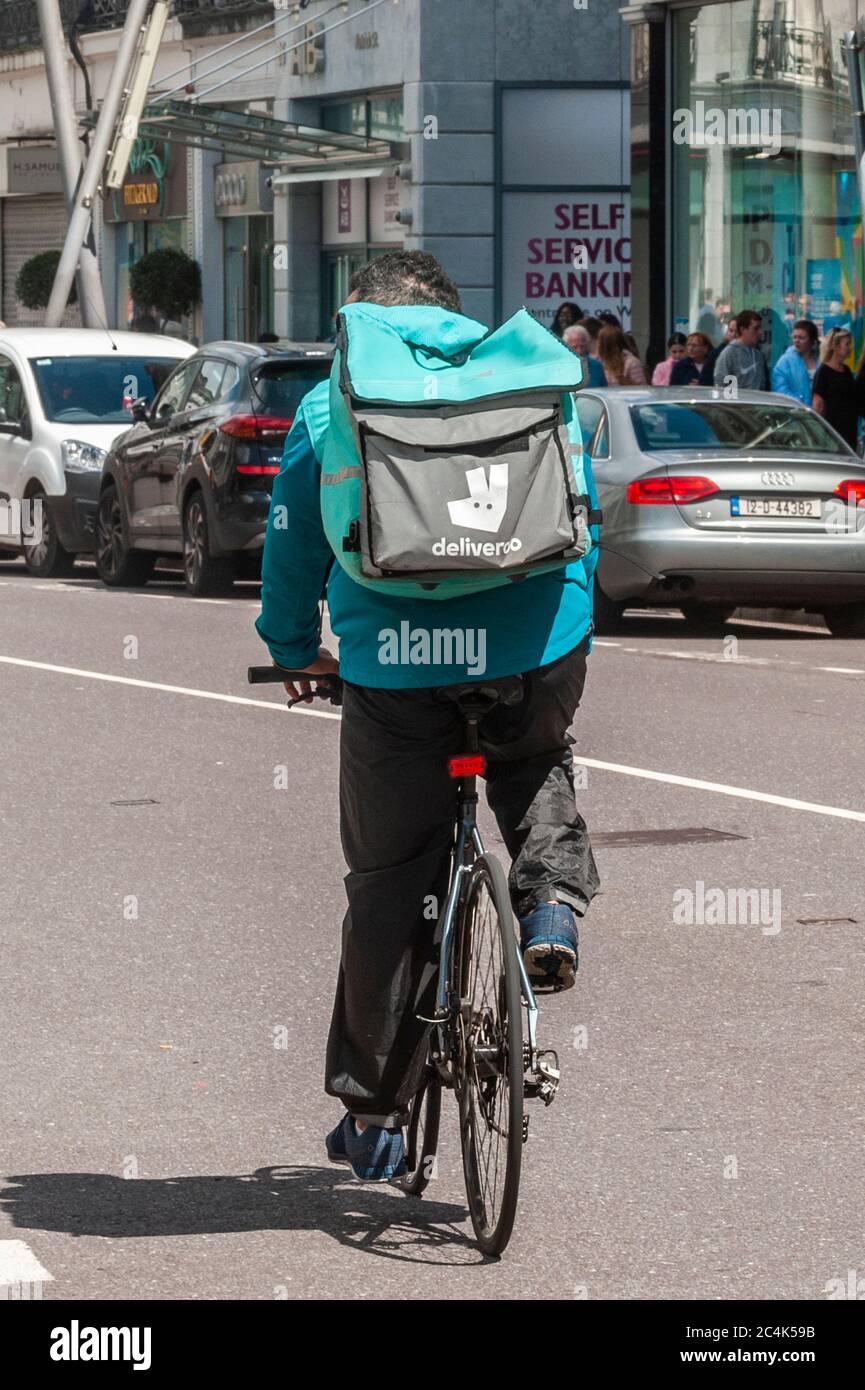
(823, 288)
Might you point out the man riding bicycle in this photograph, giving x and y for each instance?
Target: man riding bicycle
(396, 797)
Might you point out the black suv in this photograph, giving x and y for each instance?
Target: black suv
(193, 476)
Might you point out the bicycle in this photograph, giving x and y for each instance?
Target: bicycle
(478, 1046)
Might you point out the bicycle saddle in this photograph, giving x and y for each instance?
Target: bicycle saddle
(478, 697)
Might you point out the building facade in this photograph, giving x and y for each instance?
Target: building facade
(493, 133)
(507, 121)
(743, 167)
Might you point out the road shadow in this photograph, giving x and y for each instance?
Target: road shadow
(376, 1218)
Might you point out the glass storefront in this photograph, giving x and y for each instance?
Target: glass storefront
(248, 277)
(765, 205)
(351, 234)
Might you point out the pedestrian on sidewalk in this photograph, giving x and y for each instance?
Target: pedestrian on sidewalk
(838, 395)
(793, 374)
(621, 367)
(688, 370)
(577, 339)
(676, 348)
(742, 361)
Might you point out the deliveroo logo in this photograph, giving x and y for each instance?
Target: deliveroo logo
(484, 508)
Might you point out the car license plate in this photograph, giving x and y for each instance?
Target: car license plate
(777, 506)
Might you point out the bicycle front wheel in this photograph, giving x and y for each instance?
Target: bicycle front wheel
(490, 1064)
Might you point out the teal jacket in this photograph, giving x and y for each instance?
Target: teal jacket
(402, 643)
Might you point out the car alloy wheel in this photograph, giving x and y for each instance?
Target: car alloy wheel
(194, 543)
(109, 533)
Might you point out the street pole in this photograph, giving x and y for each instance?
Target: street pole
(80, 216)
(853, 50)
(90, 296)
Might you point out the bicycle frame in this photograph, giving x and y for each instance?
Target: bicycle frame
(467, 845)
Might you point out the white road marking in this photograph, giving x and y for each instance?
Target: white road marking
(671, 779)
(843, 670)
(18, 1264)
(603, 642)
(723, 790)
(707, 656)
(156, 685)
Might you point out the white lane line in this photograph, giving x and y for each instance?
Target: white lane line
(622, 769)
(603, 642)
(18, 1264)
(723, 790)
(90, 588)
(720, 659)
(155, 685)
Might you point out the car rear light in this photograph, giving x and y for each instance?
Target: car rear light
(666, 491)
(467, 765)
(271, 469)
(264, 429)
(853, 491)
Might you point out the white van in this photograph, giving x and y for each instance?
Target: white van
(65, 396)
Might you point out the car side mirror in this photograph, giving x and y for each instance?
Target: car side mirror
(139, 411)
(14, 428)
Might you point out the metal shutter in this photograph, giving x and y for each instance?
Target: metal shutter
(31, 225)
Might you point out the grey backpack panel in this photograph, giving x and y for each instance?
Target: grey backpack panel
(457, 490)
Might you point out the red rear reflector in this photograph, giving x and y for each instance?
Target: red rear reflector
(467, 765)
(853, 491)
(270, 468)
(666, 491)
(261, 427)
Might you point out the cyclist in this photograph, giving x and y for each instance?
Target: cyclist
(396, 799)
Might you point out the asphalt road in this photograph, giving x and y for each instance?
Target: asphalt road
(169, 929)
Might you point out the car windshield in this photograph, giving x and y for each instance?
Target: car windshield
(281, 386)
(742, 426)
(97, 390)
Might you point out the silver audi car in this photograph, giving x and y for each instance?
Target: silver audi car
(711, 503)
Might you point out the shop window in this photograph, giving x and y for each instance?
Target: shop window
(765, 206)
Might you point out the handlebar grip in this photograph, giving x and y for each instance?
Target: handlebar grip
(275, 675)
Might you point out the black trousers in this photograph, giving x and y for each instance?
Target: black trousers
(397, 809)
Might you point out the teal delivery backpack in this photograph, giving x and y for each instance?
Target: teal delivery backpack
(448, 466)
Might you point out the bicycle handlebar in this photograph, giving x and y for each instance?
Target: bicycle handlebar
(328, 687)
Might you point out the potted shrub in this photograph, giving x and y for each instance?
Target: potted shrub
(35, 279)
(167, 280)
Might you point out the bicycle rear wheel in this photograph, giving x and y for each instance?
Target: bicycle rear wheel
(490, 1063)
(422, 1135)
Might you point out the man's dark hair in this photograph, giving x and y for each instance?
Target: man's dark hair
(745, 318)
(405, 277)
(592, 324)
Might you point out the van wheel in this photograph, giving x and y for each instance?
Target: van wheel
(47, 558)
(846, 621)
(607, 613)
(204, 573)
(117, 565)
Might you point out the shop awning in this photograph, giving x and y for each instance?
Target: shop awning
(308, 153)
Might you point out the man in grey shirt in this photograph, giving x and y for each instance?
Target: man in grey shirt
(742, 359)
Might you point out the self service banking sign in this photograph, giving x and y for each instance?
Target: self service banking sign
(566, 246)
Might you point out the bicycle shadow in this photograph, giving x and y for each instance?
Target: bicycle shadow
(386, 1223)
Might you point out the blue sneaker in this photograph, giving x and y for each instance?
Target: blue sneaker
(376, 1155)
(550, 946)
